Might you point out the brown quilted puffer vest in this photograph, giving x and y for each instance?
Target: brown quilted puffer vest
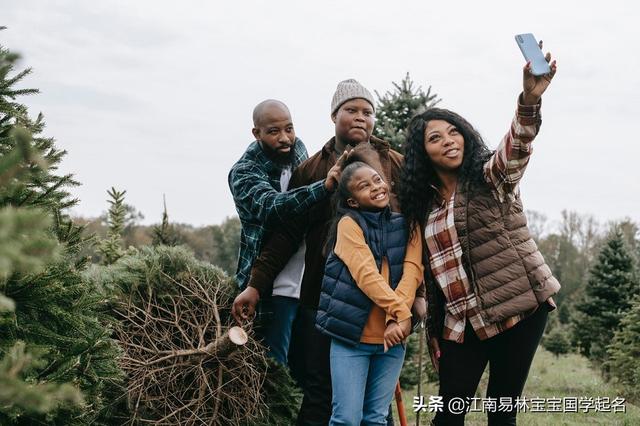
(504, 265)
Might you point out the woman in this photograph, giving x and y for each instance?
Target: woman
(488, 287)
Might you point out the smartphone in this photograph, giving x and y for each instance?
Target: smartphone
(531, 52)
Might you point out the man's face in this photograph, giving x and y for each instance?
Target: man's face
(274, 131)
(354, 121)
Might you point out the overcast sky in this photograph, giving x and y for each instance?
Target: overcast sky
(155, 97)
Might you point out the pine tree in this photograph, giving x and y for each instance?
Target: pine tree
(624, 352)
(165, 233)
(26, 245)
(51, 334)
(171, 306)
(111, 247)
(395, 109)
(226, 244)
(557, 341)
(607, 297)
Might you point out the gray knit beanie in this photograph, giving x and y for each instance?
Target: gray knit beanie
(347, 90)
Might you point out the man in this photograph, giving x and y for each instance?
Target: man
(352, 112)
(259, 182)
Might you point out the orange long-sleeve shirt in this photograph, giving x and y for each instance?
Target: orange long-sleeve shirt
(388, 304)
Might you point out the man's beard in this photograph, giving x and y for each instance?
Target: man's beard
(280, 157)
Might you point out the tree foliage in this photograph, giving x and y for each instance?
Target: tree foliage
(111, 248)
(607, 297)
(558, 341)
(52, 342)
(624, 351)
(165, 233)
(395, 109)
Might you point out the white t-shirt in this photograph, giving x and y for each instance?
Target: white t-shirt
(288, 281)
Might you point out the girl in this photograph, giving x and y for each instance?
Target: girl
(369, 284)
(488, 286)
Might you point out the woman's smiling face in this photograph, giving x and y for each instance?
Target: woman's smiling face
(444, 145)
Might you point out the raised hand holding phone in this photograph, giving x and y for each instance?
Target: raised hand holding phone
(532, 52)
(534, 80)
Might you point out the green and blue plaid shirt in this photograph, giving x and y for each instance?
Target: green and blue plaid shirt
(255, 185)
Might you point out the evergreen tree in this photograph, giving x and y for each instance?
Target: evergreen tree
(557, 341)
(50, 330)
(396, 108)
(165, 233)
(226, 244)
(624, 352)
(26, 245)
(111, 247)
(607, 297)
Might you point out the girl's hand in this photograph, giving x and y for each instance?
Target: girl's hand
(535, 85)
(434, 351)
(396, 332)
(392, 335)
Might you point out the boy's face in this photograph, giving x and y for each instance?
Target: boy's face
(354, 121)
(275, 133)
(368, 190)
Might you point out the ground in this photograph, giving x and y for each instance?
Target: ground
(565, 376)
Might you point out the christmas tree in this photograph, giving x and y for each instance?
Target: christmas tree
(26, 246)
(395, 109)
(51, 334)
(166, 234)
(607, 297)
(624, 352)
(111, 248)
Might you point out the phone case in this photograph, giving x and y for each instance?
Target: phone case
(531, 52)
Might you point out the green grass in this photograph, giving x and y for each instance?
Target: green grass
(566, 376)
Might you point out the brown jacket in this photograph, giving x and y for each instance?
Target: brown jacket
(283, 243)
(508, 274)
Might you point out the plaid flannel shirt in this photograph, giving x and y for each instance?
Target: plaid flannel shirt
(255, 185)
(502, 172)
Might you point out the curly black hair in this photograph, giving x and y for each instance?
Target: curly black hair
(418, 175)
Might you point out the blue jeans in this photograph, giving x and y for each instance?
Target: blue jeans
(277, 333)
(363, 379)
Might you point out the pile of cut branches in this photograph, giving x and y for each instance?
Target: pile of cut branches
(185, 363)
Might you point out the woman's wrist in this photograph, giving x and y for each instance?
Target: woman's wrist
(530, 99)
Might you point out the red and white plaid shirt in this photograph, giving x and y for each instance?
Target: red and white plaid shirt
(502, 172)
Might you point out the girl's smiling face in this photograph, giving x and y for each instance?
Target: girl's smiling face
(368, 190)
(444, 145)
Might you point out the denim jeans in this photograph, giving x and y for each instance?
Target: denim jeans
(363, 379)
(277, 333)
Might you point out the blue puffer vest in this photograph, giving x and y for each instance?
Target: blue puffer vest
(343, 309)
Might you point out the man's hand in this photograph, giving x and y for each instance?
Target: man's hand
(434, 352)
(419, 309)
(244, 305)
(535, 85)
(396, 333)
(333, 175)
